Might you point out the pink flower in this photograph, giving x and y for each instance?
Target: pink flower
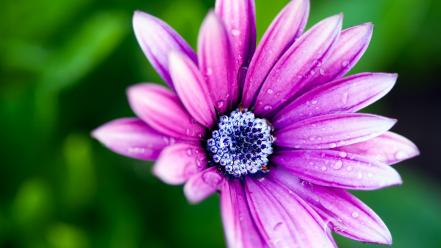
(274, 129)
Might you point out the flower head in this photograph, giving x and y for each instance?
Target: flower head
(273, 129)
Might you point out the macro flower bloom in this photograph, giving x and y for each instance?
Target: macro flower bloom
(273, 129)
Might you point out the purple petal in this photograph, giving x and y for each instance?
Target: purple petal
(337, 169)
(330, 131)
(240, 229)
(351, 45)
(283, 218)
(343, 212)
(191, 89)
(283, 31)
(292, 71)
(177, 163)
(132, 137)
(157, 40)
(203, 184)
(240, 22)
(341, 96)
(216, 63)
(162, 110)
(389, 148)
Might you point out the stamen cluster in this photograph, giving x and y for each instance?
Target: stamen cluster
(241, 144)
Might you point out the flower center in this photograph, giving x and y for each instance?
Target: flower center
(241, 144)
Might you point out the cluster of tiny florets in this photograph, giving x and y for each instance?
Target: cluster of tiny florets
(241, 144)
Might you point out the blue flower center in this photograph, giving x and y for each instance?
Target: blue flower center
(241, 144)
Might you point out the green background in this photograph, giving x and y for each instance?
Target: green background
(64, 69)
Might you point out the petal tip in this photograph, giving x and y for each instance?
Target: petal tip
(132, 90)
(139, 16)
(98, 133)
(367, 26)
(161, 173)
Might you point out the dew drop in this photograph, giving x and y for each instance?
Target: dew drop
(338, 165)
(220, 104)
(209, 71)
(267, 107)
(400, 155)
(277, 226)
(345, 63)
(270, 91)
(323, 168)
(355, 214)
(342, 154)
(189, 151)
(235, 32)
(333, 145)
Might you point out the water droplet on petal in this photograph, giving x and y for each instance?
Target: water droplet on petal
(338, 165)
(344, 63)
(278, 226)
(270, 91)
(235, 32)
(267, 107)
(220, 104)
(400, 155)
(355, 214)
(323, 168)
(209, 71)
(342, 154)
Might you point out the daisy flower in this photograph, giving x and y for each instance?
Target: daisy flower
(273, 129)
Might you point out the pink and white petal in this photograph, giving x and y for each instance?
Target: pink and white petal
(349, 48)
(239, 18)
(203, 184)
(177, 163)
(389, 148)
(162, 110)
(283, 218)
(216, 64)
(157, 40)
(330, 131)
(342, 211)
(293, 70)
(337, 169)
(192, 89)
(341, 96)
(282, 32)
(133, 138)
(240, 229)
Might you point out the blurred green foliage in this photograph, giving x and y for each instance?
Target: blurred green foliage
(64, 67)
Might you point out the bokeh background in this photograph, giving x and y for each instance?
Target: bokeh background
(64, 69)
